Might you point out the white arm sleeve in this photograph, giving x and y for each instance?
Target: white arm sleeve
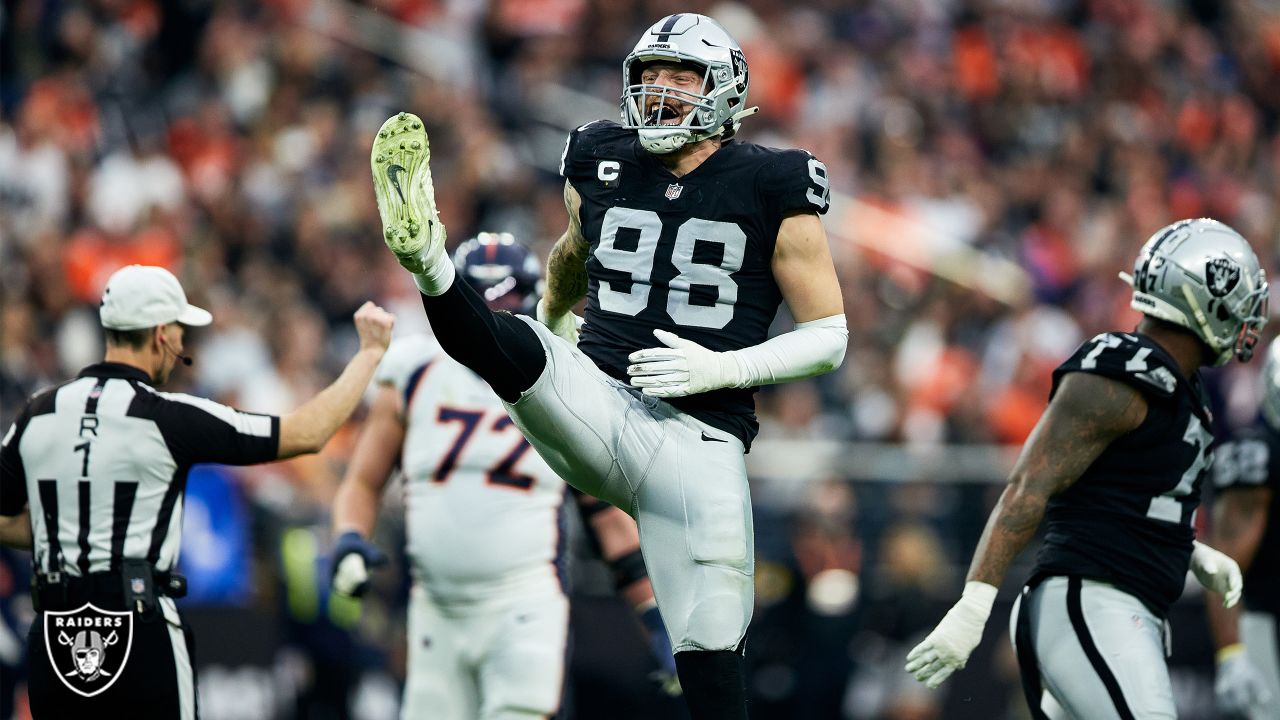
(812, 348)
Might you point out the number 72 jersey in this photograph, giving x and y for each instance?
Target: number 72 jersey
(1128, 519)
(691, 255)
(483, 510)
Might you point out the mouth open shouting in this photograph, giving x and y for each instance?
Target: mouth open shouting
(661, 113)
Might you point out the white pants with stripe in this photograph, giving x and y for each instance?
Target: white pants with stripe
(1262, 645)
(502, 661)
(684, 481)
(1099, 652)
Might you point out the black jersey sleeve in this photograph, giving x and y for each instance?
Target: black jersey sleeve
(582, 152)
(1128, 358)
(198, 430)
(794, 181)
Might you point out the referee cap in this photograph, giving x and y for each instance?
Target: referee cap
(143, 296)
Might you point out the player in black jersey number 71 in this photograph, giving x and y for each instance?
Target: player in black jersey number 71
(684, 242)
(1114, 469)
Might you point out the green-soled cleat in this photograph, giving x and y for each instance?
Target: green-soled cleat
(411, 225)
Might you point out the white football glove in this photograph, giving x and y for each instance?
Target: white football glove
(1239, 687)
(351, 576)
(565, 326)
(681, 368)
(948, 647)
(1216, 571)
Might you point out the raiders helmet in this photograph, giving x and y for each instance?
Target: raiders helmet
(505, 272)
(717, 109)
(1204, 276)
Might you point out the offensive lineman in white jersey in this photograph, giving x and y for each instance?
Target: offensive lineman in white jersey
(488, 614)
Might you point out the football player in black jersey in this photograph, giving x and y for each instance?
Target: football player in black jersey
(1115, 466)
(1246, 526)
(684, 242)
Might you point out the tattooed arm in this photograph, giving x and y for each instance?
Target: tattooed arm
(1087, 413)
(567, 264)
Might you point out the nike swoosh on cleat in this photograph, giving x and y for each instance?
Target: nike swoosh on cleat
(393, 174)
(708, 438)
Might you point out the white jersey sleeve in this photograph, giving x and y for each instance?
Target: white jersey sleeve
(405, 359)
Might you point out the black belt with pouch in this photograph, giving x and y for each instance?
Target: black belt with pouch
(135, 586)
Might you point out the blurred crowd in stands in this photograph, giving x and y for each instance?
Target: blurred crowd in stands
(997, 163)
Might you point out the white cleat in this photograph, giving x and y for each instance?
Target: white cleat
(406, 198)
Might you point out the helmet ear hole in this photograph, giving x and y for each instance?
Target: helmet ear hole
(1222, 312)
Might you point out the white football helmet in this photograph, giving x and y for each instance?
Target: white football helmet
(1271, 386)
(717, 109)
(1204, 276)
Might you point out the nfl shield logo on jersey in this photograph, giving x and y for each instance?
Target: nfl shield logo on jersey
(674, 190)
(88, 647)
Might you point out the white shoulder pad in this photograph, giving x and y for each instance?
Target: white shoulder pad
(404, 356)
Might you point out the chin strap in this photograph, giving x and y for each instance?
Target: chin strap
(741, 114)
(1204, 323)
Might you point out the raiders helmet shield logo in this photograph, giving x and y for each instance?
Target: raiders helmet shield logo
(1221, 275)
(739, 67)
(88, 647)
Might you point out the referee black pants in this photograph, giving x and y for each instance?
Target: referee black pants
(157, 679)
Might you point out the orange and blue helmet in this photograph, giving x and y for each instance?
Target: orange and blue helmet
(502, 269)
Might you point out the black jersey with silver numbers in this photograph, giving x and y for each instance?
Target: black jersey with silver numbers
(1251, 459)
(1128, 519)
(102, 461)
(689, 254)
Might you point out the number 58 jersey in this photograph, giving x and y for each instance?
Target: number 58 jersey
(482, 509)
(1128, 519)
(691, 255)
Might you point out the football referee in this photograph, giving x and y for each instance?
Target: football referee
(92, 478)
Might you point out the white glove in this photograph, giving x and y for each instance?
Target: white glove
(1216, 571)
(948, 647)
(681, 368)
(565, 326)
(1239, 687)
(351, 576)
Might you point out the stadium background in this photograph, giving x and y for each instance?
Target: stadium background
(994, 164)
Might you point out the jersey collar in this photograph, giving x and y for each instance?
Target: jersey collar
(647, 158)
(115, 370)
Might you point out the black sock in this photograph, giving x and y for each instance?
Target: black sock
(713, 684)
(497, 346)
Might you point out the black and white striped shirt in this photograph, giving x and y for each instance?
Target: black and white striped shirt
(103, 460)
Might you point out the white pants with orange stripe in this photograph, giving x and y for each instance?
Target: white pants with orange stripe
(499, 661)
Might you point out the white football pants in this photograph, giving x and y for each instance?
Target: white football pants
(503, 660)
(684, 481)
(1099, 653)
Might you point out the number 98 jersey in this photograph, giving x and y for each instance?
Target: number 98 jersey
(691, 255)
(1128, 519)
